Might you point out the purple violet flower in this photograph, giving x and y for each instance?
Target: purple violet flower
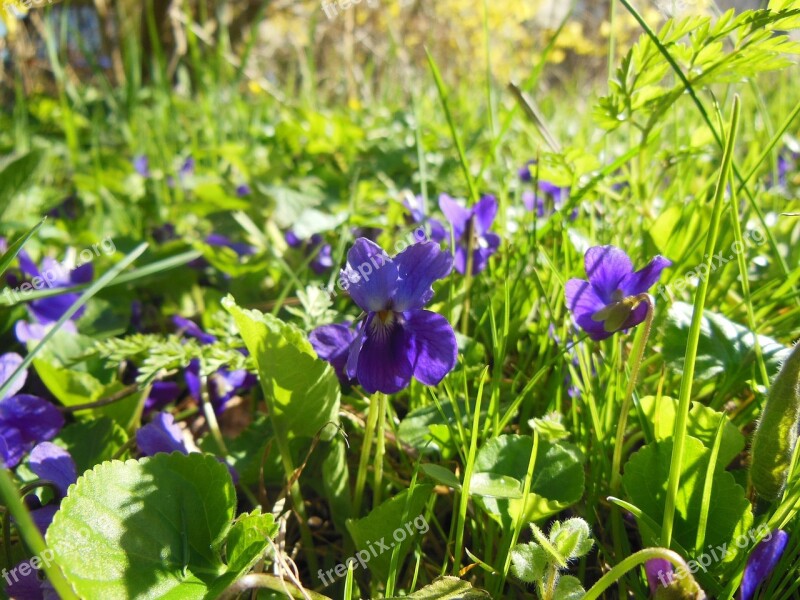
(25, 420)
(398, 339)
(315, 246)
(607, 303)
(164, 233)
(142, 165)
(475, 222)
(525, 172)
(242, 249)
(185, 172)
(187, 168)
(243, 190)
(28, 586)
(332, 344)
(191, 329)
(47, 311)
(54, 464)
(550, 195)
(162, 434)
(761, 562)
(222, 385)
(659, 574)
(161, 394)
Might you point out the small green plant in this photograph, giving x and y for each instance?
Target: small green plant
(542, 562)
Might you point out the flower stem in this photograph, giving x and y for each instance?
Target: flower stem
(380, 440)
(468, 277)
(29, 532)
(638, 354)
(361, 476)
(211, 417)
(463, 501)
(616, 463)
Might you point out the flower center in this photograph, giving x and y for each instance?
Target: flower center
(614, 315)
(383, 323)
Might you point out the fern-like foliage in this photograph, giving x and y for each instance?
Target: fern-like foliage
(731, 48)
(156, 354)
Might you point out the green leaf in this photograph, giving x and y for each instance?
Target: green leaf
(494, 485)
(247, 450)
(558, 477)
(569, 588)
(703, 423)
(725, 349)
(441, 475)
(447, 588)
(212, 198)
(572, 538)
(73, 388)
(16, 174)
(427, 423)
(14, 248)
(384, 528)
(230, 263)
(248, 539)
(336, 481)
(147, 529)
(645, 481)
(301, 390)
(528, 562)
(550, 427)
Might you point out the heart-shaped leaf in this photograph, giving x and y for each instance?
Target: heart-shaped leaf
(151, 528)
(302, 391)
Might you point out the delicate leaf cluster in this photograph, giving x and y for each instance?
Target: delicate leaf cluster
(732, 48)
(541, 562)
(156, 354)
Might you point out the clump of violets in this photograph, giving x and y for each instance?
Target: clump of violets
(472, 223)
(548, 197)
(761, 562)
(315, 247)
(610, 300)
(398, 339)
(223, 384)
(46, 311)
(25, 420)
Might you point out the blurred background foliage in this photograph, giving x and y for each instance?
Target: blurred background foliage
(355, 54)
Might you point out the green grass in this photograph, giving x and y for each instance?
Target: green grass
(686, 175)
